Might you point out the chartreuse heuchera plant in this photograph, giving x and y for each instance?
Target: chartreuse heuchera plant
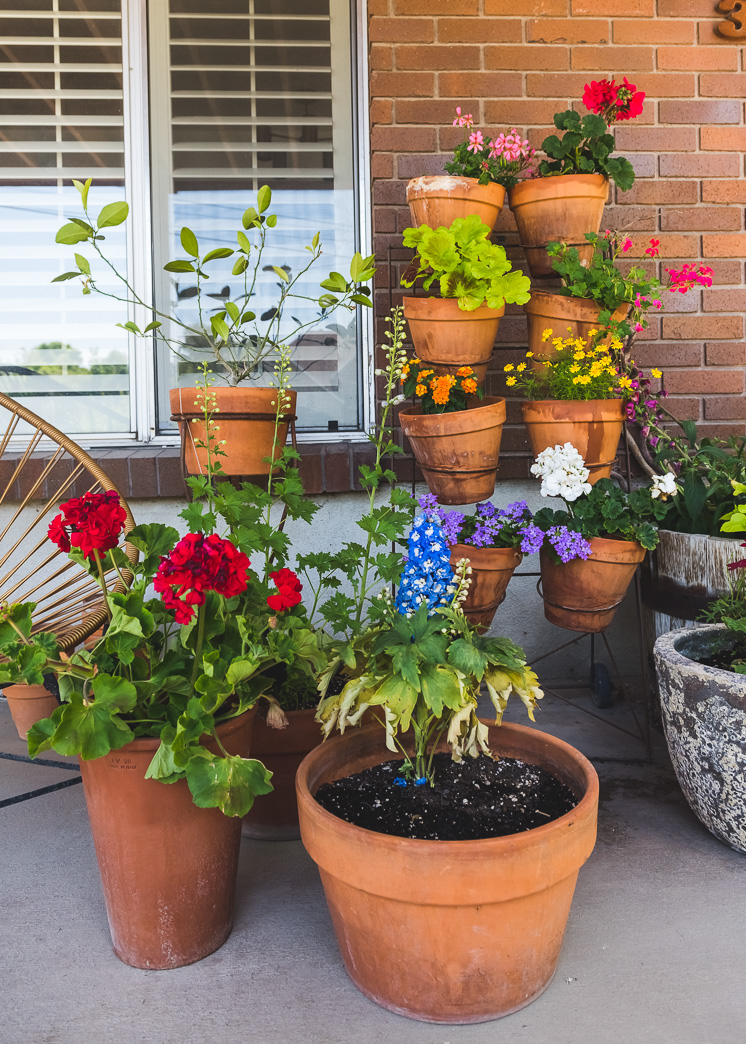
(466, 265)
(602, 510)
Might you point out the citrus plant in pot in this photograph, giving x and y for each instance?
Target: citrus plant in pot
(454, 430)
(702, 687)
(574, 395)
(475, 280)
(593, 546)
(475, 180)
(234, 340)
(408, 822)
(159, 711)
(493, 541)
(567, 198)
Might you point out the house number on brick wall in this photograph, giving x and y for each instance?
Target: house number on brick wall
(734, 25)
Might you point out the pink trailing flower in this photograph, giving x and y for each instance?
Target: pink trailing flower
(463, 121)
(653, 250)
(476, 142)
(689, 276)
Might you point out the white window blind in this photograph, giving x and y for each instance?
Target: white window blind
(246, 93)
(60, 117)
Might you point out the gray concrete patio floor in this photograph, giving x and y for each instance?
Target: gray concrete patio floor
(655, 950)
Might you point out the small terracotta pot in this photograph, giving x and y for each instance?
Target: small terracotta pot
(593, 427)
(29, 704)
(439, 199)
(584, 595)
(565, 317)
(457, 453)
(445, 335)
(557, 209)
(168, 868)
(491, 570)
(274, 817)
(246, 421)
(449, 931)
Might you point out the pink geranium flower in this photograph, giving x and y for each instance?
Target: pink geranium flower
(476, 141)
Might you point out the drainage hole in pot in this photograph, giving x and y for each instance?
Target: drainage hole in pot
(475, 799)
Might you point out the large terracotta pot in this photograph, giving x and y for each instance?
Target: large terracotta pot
(594, 428)
(704, 719)
(446, 336)
(557, 209)
(457, 453)
(439, 199)
(449, 931)
(168, 868)
(491, 570)
(583, 595)
(28, 704)
(246, 421)
(274, 817)
(565, 317)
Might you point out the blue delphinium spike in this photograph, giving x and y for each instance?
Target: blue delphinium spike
(427, 574)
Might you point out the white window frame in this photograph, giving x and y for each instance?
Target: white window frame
(139, 232)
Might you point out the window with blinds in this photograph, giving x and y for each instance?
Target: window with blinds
(246, 93)
(61, 117)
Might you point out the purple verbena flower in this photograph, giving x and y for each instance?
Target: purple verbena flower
(532, 537)
(568, 544)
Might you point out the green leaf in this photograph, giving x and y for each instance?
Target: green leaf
(242, 263)
(250, 218)
(131, 326)
(82, 263)
(440, 687)
(468, 659)
(263, 198)
(113, 214)
(315, 240)
(65, 276)
(83, 190)
(336, 282)
(218, 252)
(281, 273)
(232, 310)
(189, 242)
(247, 317)
(271, 220)
(243, 241)
(229, 783)
(179, 266)
(219, 327)
(92, 729)
(71, 233)
(152, 326)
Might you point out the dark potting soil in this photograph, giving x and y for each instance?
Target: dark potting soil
(474, 799)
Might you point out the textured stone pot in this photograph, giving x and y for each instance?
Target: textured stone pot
(704, 719)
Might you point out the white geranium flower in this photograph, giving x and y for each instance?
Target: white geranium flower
(562, 472)
(664, 486)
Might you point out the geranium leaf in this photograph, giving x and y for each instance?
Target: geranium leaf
(229, 783)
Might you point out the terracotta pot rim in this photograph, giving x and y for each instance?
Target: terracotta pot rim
(469, 551)
(488, 403)
(420, 185)
(567, 302)
(538, 187)
(520, 840)
(414, 303)
(575, 405)
(226, 728)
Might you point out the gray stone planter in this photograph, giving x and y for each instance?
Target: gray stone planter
(704, 719)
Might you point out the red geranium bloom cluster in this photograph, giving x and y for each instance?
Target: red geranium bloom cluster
(89, 523)
(198, 564)
(614, 103)
(289, 588)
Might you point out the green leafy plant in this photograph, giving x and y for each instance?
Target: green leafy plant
(577, 370)
(585, 147)
(729, 647)
(235, 340)
(466, 265)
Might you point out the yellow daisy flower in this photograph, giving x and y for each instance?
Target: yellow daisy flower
(656, 372)
(529, 355)
(546, 335)
(508, 367)
(521, 367)
(510, 381)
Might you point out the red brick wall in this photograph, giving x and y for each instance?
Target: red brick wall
(517, 62)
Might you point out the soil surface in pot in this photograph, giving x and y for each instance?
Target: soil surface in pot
(475, 799)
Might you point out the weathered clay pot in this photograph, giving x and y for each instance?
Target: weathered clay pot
(449, 931)
(704, 719)
(439, 199)
(458, 452)
(168, 868)
(593, 427)
(274, 817)
(444, 335)
(491, 570)
(557, 209)
(246, 421)
(28, 704)
(583, 595)
(565, 317)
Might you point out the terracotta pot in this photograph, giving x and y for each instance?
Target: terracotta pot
(565, 317)
(446, 336)
(449, 931)
(246, 421)
(275, 816)
(29, 704)
(491, 570)
(584, 595)
(168, 868)
(439, 199)
(557, 209)
(457, 453)
(593, 427)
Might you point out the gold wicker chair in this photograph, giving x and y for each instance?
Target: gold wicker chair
(39, 468)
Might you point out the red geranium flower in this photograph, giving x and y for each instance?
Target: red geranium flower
(613, 103)
(198, 564)
(89, 523)
(600, 95)
(629, 101)
(289, 590)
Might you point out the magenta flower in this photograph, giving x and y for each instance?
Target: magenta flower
(626, 245)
